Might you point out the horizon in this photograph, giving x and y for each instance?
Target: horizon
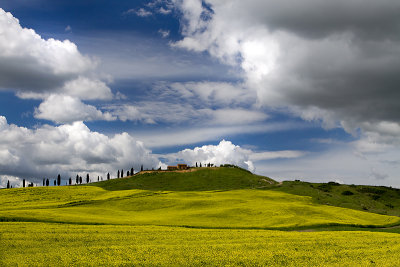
(94, 87)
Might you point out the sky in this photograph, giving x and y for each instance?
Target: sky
(289, 89)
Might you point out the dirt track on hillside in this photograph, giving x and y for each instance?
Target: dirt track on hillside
(188, 170)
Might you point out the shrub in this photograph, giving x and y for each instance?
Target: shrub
(371, 190)
(325, 187)
(375, 197)
(347, 193)
(389, 206)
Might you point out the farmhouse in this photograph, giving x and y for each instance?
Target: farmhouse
(179, 167)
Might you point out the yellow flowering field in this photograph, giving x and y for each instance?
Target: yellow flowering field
(52, 244)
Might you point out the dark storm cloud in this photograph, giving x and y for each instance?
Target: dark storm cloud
(29, 63)
(363, 85)
(338, 61)
(22, 74)
(316, 18)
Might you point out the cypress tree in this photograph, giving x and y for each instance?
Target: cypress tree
(8, 183)
(118, 174)
(141, 168)
(200, 164)
(196, 164)
(80, 179)
(47, 182)
(55, 182)
(98, 178)
(132, 171)
(87, 178)
(70, 180)
(108, 176)
(44, 182)
(23, 183)
(122, 173)
(59, 180)
(127, 173)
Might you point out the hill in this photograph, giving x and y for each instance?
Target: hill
(195, 179)
(204, 198)
(376, 199)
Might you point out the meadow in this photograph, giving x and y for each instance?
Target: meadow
(219, 216)
(49, 244)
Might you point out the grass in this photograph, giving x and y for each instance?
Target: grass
(375, 199)
(245, 208)
(44, 244)
(211, 216)
(199, 179)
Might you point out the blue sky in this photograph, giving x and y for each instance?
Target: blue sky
(95, 86)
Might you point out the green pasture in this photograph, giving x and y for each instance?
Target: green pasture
(244, 208)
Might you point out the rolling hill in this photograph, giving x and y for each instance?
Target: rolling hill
(204, 198)
(195, 179)
(209, 216)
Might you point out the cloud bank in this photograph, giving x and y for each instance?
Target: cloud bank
(52, 70)
(337, 62)
(67, 149)
(29, 63)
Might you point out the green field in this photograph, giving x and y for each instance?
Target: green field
(212, 216)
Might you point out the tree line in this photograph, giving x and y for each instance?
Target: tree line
(80, 180)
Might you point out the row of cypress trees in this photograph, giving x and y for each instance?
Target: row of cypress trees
(78, 179)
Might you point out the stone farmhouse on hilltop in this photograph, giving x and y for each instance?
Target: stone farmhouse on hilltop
(178, 167)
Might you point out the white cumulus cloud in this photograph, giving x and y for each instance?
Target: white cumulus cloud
(34, 67)
(67, 149)
(67, 109)
(223, 153)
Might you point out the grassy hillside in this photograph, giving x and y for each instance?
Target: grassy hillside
(198, 179)
(376, 199)
(206, 198)
(244, 208)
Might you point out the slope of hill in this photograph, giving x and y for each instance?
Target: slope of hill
(197, 179)
(376, 199)
(206, 198)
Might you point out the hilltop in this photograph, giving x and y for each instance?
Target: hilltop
(194, 179)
